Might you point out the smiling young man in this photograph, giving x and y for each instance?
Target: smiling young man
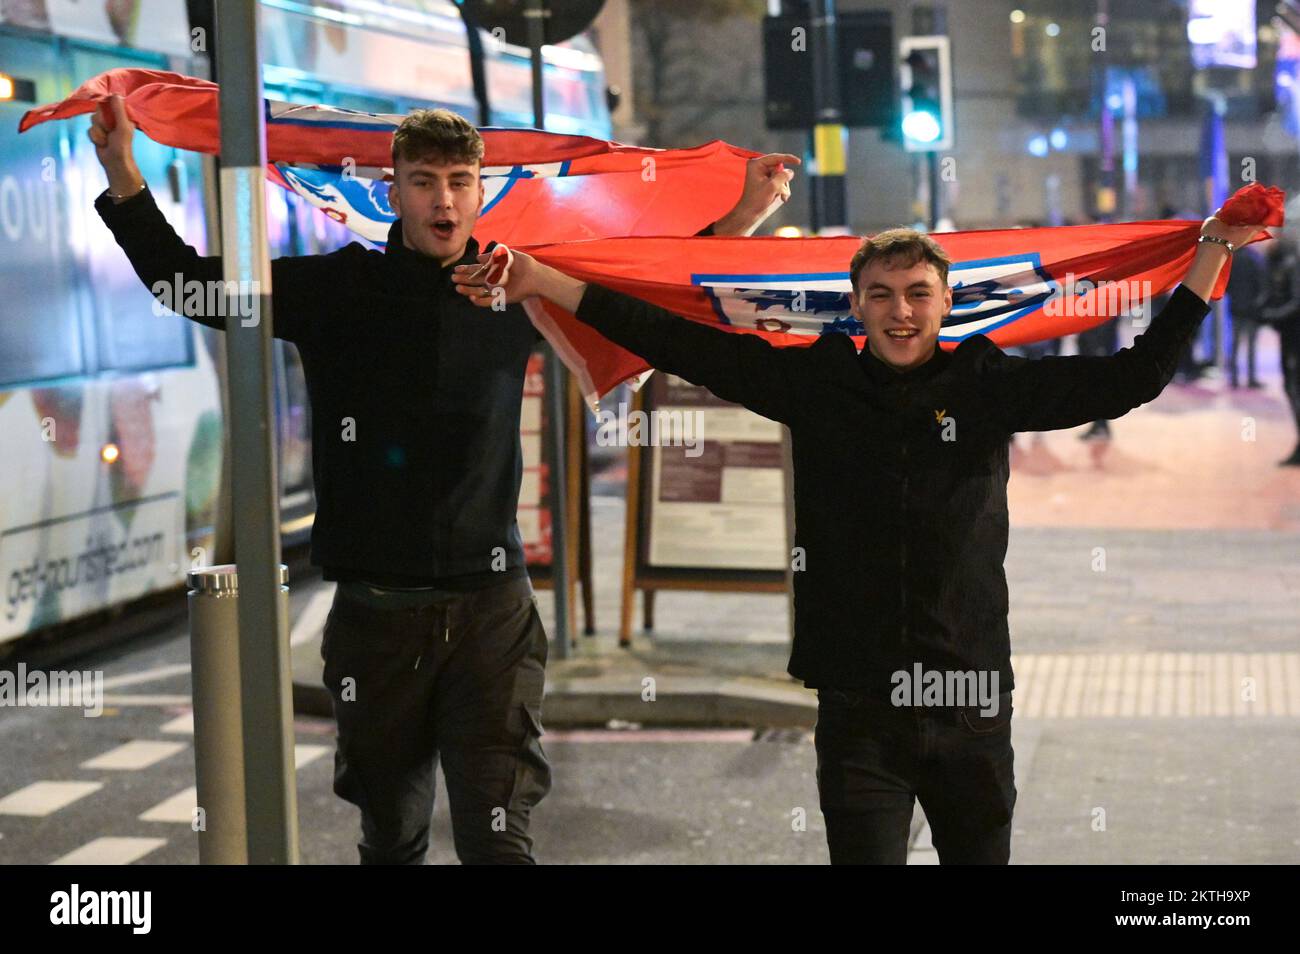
(900, 477)
(433, 648)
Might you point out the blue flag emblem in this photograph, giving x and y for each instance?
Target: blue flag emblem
(986, 294)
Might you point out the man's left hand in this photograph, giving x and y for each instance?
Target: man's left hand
(767, 186)
(1238, 235)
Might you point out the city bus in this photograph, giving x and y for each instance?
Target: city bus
(111, 428)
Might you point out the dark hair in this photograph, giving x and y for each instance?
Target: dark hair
(439, 135)
(899, 247)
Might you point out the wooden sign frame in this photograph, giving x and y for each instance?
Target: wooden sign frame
(639, 575)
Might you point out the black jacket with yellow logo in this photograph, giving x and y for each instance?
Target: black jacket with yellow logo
(900, 478)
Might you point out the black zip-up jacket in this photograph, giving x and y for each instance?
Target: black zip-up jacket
(415, 396)
(903, 532)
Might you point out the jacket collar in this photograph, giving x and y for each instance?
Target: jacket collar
(881, 373)
(421, 264)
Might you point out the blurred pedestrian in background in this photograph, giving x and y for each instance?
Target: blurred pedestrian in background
(1281, 310)
(1099, 342)
(1245, 296)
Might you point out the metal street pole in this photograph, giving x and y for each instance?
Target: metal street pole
(477, 69)
(535, 13)
(1129, 148)
(557, 385)
(1106, 200)
(932, 178)
(938, 24)
(1214, 168)
(827, 180)
(265, 692)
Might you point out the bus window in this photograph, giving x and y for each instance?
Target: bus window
(362, 102)
(40, 324)
(132, 332)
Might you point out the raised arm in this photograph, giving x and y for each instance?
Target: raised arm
(168, 266)
(737, 367)
(1045, 394)
(1056, 392)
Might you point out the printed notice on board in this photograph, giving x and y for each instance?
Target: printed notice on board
(716, 501)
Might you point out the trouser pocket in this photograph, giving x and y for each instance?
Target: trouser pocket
(532, 769)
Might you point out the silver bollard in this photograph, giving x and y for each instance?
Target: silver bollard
(218, 734)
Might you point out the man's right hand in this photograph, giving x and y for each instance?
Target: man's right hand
(111, 131)
(525, 278)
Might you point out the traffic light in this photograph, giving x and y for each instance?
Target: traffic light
(925, 81)
(868, 95)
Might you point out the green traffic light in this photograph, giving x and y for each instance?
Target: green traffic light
(922, 126)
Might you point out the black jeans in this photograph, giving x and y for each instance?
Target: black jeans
(419, 677)
(874, 759)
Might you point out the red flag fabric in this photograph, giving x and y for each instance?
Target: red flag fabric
(181, 111)
(539, 186)
(1254, 205)
(1016, 286)
(568, 199)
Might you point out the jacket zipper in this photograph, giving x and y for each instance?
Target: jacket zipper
(902, 550)
(902, 537)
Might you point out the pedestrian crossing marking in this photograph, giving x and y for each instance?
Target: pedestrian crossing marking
(304, 755)
(152, 699)
(147, 675)
(44, 798)
(181, 725)
(134, 755)
(111, 851)
(178, 808)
